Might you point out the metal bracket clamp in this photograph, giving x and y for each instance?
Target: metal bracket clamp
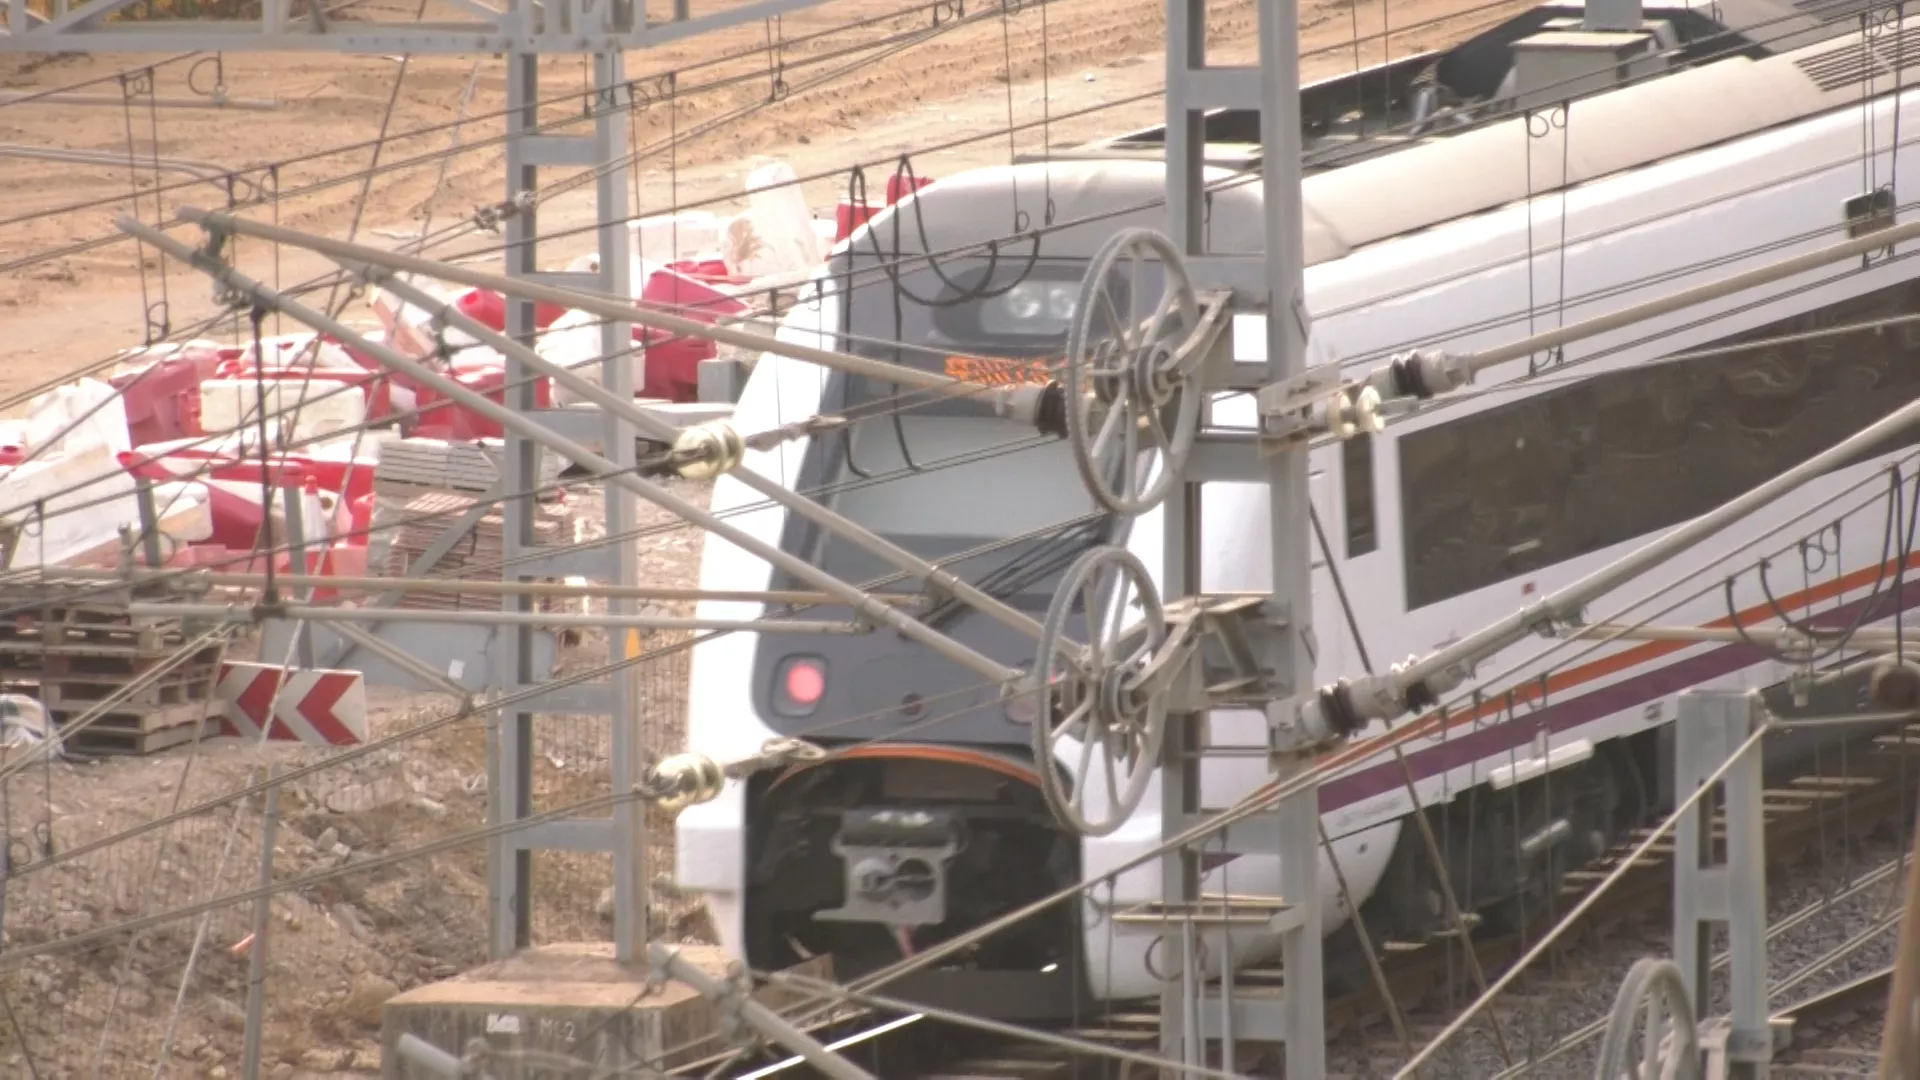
(1198, 653)
(1320, 402)
(212, 252)
(1316, 402)
(1421, 374)
(776, 753)
(684, 780)
(1340, 710)
(1214, 660)
(735, 992)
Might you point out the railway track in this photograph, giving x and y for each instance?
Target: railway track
(1855, 790)
(1857, 1008)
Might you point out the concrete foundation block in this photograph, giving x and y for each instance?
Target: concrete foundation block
(571, 999)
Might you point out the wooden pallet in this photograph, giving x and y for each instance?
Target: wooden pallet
(133, 730)
(81, 630)
(75, 656)
(77, 692)
(132, 718)
(95, 666)
(99, 741)
(477, 555)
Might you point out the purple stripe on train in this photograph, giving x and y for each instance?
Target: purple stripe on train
(1499, 737)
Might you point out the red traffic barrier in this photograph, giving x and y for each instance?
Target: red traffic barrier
(489, 309)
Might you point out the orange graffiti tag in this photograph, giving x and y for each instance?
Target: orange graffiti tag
(999, 372)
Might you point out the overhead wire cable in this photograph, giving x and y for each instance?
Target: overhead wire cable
(1743, 345)
(1737, 43)
(1359, 754)
(1349, 758)
(1748, 345)
(501, 702)
(630, 90)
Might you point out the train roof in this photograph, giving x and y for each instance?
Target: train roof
(1438, 94)
(1429, 184)
(1608, 133)
(1078, 204)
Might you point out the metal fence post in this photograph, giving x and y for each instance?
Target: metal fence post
(262, 926)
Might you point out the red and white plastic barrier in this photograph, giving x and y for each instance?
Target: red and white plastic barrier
(849, 216)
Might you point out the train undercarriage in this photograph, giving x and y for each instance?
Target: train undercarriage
(872, 860)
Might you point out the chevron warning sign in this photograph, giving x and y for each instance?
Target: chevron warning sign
(320, 708)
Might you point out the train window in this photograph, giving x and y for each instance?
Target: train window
(1571, 471)
(1356, 478)
(1013, 310)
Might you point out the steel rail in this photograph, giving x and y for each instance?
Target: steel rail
(825, 989)
(734, 998)
(1586, 904)
(1819, 907)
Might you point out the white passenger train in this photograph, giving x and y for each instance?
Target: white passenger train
(1452, 517)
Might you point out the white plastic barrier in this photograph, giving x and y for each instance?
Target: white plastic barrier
(573, 341)
(233, 404)
(781, 225)
(68, 504)
(671, 237)
(75, 416)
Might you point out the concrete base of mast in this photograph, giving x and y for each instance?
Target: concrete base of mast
(573, 999)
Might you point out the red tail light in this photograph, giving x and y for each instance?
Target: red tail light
(799, 685)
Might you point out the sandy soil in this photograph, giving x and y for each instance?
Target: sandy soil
(71, 291)
(71, 295)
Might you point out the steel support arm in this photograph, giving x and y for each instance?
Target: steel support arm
(1019, 402)
(833, 522)
(1346, 707)
(875, 611)
(1698, 294)
(1427, 372)
(246, 614)
(194, 582)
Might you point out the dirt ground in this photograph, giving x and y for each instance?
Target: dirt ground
(71, 295)
(72, 291)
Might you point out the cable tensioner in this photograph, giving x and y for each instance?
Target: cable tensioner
(1132, 376)
(1110, 698)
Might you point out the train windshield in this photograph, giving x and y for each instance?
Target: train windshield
(945, 476)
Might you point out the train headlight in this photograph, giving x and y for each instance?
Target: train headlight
(799, 685)
(1025, 300)
(1032, 308)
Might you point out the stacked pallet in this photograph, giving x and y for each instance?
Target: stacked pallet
(75, 655)
(429, 486)
(477, 556)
